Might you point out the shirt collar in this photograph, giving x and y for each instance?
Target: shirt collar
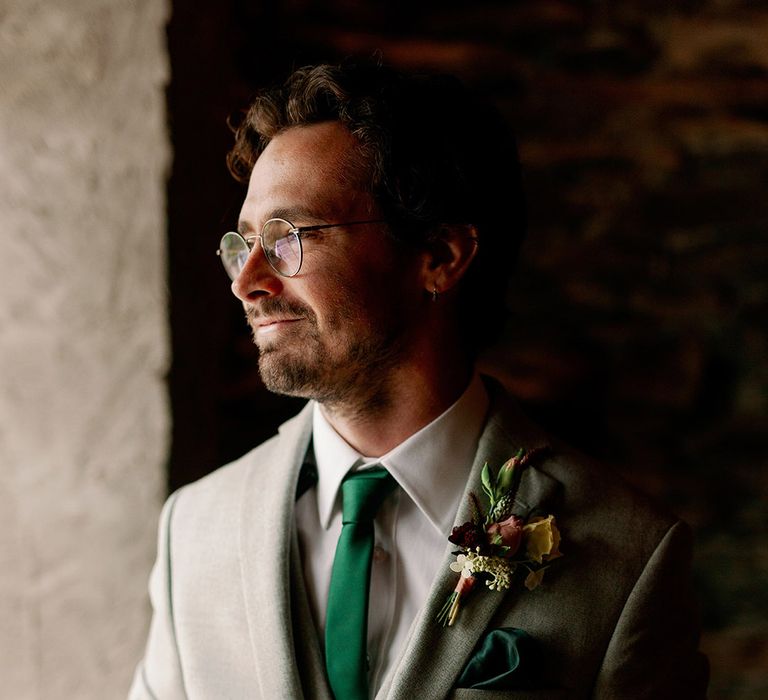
(335, 457)
(431, 466)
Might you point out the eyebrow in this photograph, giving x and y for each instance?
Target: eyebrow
(289, 213)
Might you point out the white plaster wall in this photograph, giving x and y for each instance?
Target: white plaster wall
(84, 421)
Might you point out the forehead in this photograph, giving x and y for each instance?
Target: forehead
(309, 169)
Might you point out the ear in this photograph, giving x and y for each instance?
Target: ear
(447, 256)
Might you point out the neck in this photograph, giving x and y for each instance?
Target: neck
(415, 394)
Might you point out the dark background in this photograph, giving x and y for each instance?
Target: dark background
(637, 328)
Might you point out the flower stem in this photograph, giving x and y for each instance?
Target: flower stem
(447, 614)
(450, 610)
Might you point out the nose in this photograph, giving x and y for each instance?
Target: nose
(257, 278)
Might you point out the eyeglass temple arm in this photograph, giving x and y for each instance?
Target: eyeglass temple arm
(317, 227)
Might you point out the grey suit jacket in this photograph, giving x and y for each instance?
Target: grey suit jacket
(614, 617)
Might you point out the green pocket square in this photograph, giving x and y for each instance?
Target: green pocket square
(504, 659)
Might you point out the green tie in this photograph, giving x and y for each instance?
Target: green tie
(346, 622)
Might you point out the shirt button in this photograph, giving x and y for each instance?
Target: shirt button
(380, 554)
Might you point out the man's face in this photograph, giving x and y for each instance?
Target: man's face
(340, 326)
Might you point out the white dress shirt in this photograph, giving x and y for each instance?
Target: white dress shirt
(411, 529)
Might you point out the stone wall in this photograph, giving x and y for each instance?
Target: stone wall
(84, 421)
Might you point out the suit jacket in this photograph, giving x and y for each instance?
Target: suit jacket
(614, 618)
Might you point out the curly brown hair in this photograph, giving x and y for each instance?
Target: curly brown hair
(431, 153)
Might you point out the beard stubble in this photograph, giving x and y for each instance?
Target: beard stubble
(337, 369)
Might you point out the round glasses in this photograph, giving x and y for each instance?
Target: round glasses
(281, 242)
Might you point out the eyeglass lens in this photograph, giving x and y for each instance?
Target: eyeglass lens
(281, 246)
(280, 243)
(233, 251)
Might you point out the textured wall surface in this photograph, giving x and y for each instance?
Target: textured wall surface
(83, 340)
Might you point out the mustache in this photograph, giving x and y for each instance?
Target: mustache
(272, 306)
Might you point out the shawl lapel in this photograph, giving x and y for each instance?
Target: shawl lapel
(433, 657)
(266, 533)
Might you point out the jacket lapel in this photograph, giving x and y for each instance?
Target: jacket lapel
(266, 534)
(434, 656)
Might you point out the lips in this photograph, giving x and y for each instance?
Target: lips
(270, 324)
(272, 314)
(270, 321)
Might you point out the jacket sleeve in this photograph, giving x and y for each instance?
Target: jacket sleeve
(158, 675)
(653, 652)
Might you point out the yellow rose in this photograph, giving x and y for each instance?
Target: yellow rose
(542, 539)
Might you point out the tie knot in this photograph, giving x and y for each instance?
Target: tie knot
(363, 493)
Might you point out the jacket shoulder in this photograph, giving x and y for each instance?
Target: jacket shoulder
(587, 485)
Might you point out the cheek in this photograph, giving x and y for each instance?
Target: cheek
(364, 289)
(351, 305)
(393, 287)
(332, 298)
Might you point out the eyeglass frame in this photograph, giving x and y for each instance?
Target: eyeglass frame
(297, 231)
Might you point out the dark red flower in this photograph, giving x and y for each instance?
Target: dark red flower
(469, 536)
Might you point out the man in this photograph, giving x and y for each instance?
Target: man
(383, 214)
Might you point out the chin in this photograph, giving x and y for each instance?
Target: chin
(290, 376)
(351, 370)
